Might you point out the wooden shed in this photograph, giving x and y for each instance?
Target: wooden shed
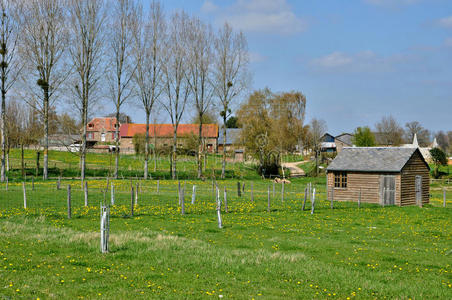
(384, 175)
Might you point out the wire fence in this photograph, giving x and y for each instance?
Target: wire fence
(157, 197)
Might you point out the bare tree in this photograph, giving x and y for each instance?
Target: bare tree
(318, 129)
(87, 19)
(230, 73)
(149, 35)
(9, 66)
(120, 66)
(44, 43)
(200, 59)
(176, 87)
(390, 133)
(422, 134)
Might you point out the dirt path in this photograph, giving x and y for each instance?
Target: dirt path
(295, 171)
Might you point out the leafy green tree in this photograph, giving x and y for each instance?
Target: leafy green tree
(232, 122)
(439, 159)
(363, 137)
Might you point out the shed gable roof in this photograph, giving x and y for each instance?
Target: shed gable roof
(372, 159)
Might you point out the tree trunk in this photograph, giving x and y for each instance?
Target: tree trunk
(155, 148)
(223, 166)
(200, 147)
(117, 143)
(83, 148)
(174, 153)
(3, 129)
(46, 133)
(38, 154)
(146, 147)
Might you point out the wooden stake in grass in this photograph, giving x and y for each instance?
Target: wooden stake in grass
(182, 205)
(7, 183)
(136, 193)
(444, 197)
(158, 186)
(359, 199)
(243, 188)
(332, 197)
(112, 197)
(282, 192)
(226, 199)
(86, 193)
(313, 201)
(59, 183)
(69, 209)
(268, 198)
(131, 201)
(193, 195)
(305, 197)
(25, 194)
(220, 224)
(239, 192)
(179, 192)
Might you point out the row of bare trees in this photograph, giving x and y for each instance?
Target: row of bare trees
(80, 51)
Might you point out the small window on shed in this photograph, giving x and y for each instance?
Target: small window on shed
(340, 180)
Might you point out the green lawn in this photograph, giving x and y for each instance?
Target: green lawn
(372, 252)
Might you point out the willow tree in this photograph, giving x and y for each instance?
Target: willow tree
(87, 18)
(149, 33)
(9, 66)
(44, 42)
(230, 76)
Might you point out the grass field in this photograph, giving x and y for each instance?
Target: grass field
(367, 253)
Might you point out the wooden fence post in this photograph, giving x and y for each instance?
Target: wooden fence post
(220, 224)
(25, 194)
(332, 196)
(7, 183)
(131, 201)
(313, 201)
(59, 182)
(282, 192)
(193, 195)
(179, 192)
(86, 193)
(243, 188)
(305, 197)
(252, 192)
(268, 198)
(239, 192)
(158, 186)
(444, 197)
(69, 208)
(225, 195)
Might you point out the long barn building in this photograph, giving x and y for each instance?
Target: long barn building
(384, 175)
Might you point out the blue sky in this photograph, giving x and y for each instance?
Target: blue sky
(355, 60)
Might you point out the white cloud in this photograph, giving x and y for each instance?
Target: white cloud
(209, 7)
(391, 2)
(445, 22)
(364, 61)
(333, 60)
(265, 16)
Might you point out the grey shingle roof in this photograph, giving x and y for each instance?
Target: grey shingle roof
(345, 138)
(371, 159)
(232, 136)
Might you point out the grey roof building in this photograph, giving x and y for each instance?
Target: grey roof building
(384, 175)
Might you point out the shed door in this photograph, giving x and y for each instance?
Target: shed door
(388, 190)
(418, 189)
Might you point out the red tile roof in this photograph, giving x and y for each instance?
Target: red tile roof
(101, 124)
(166, 130)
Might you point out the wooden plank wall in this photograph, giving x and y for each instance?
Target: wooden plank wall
(369, 183)
(415, 166)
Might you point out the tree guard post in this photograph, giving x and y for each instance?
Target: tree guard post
(131, 201)
(112, 197)
(252, 192)
(25, 194)
(268, 199)
(313, 202)
(305, 197)
(220, 224)
(104, 227)
(86, 193)
(239, 193)
(282, 192)
(332, 197)
(69, 208)
(226, 199)
(193, 195)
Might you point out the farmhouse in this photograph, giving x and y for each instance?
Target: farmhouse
(162, 135)
(384, 175)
